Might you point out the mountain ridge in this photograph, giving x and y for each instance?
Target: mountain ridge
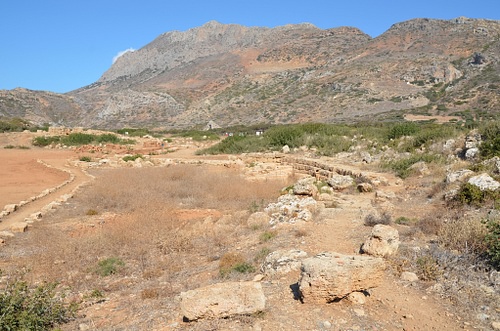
(234, 74)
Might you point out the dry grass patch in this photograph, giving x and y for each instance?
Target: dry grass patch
(139, 224)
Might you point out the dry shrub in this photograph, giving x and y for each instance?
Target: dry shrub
(372, 220)
(429, 225)
(463, 235)
(300, 233)
(150, 293)
(228, 261)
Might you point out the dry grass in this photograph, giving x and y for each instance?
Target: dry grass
(154, 220)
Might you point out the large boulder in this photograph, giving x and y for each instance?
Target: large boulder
(283, 261)
(383, 241)
(328, 277)
(484, 182)
(223, 300)
(340, 182)
(305, 186)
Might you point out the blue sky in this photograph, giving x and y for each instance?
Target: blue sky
(61, 45)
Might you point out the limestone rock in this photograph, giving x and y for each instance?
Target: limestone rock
(305, 186)
(357, 298)
(19, 227)
(383, 241)
(484, 182)
(409, 276)
(366, 157)
(340, 182)
(282, 262)
(420, 168)
(384, 196)
(459, 175)
(291, 208)
(327, 277)
(285, 149)
(10, 208)
(473, 139)
(471, 153)
(223, 300)
(365, 187)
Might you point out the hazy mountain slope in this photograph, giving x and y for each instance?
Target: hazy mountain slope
(242, 75)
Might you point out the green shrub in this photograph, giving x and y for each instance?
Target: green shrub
(75, 139)
(470, 194)
(491, 140)
(403, 220)
(45, 141)
(280, 136)
(403, 129)
(402, 167)
(492, 240)
(132, 157)
(109, 266)
(428, 268)
(107, 138)
(134, 132)
(14, 125)
(9, 147)
(234, 262)
(85, 158)
(32, 308)
(91, 212)
(244, 268)
(267, 235)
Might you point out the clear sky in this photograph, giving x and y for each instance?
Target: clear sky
(61, 45)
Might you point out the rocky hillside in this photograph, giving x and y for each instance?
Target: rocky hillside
(245, 75)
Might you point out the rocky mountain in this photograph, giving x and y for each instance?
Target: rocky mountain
(233, 74)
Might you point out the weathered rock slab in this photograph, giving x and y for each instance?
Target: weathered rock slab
(328, 277)
(223, 300)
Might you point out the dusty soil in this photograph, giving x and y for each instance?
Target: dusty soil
(396, 305)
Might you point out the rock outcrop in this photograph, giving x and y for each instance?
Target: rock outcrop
(223, 300)
(329, 277)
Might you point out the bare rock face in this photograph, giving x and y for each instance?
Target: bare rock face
(223, 300)
(328, 277)
(383, 241)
